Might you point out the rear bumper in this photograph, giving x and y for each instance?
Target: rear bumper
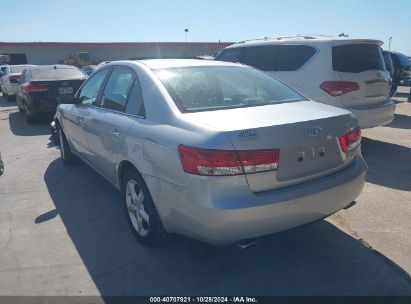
(226, 216)
(37, 106)
(378, 115)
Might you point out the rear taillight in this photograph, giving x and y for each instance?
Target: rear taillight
(225, 162)
(31, 88)
(350, 140)
(14, 79)
(337, 88)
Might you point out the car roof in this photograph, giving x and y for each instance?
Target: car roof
(303, 39)
(177, 63)
(53, 66)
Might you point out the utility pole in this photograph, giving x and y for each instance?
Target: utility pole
(186, 34)
(389, 44)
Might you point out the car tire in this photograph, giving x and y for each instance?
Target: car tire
(67, 155)
(140, 210)
(9, 98)
(30, 118)
(18, 101)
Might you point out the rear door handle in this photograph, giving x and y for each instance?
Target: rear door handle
(114, 133)
(82, 122)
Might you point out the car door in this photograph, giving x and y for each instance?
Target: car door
(75, 119)
(108, 124)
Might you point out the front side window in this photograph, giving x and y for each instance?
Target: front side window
(206, 88)
(357, 58)
(117, 89)
(92, 87)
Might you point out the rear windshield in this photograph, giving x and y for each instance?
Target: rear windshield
(356, 58)
(404, 61)
(196, 89)
(56, 74)
(17, 69)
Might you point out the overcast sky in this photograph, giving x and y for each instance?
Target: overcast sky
(225, 20)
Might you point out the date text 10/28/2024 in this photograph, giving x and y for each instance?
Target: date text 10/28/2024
(203, 300)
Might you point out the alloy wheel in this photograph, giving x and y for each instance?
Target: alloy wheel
(135, 206)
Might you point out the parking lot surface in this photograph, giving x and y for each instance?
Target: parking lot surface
(63, 231)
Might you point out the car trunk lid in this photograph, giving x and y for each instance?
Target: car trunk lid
(305, 132)
(56, 91)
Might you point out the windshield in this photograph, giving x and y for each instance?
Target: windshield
(195, 89)
(57, 74)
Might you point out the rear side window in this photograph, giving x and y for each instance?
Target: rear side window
(260, 57)
(231, 55)
(56, 74)
(117, 89)
(135, 103)
(357, 58)
(293, 57)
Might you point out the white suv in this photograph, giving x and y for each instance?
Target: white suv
(342, 72)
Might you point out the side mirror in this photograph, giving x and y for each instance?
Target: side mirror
(68, 99)
(76, 100)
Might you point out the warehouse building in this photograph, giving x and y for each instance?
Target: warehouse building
(57, 52)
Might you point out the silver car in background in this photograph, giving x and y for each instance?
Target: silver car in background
(10, 80)
(216, 151)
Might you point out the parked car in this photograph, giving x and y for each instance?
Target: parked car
(42, 88)
(103, 63)
(390, 68)
(89, 69)
(10, 80)
(216, 151)
(2, 70)
(342, 72)
(1, 166)
(402, 66)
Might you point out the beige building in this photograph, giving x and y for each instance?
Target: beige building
(56, 52)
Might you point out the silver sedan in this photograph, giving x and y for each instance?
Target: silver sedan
(216, 151)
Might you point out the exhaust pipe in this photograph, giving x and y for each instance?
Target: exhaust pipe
(350, 205)
(246, 244)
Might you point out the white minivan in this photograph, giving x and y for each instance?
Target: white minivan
(342, 72)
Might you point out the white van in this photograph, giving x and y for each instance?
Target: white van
(342, 72)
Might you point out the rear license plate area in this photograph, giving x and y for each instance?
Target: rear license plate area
(309, 159)
(65, 90)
